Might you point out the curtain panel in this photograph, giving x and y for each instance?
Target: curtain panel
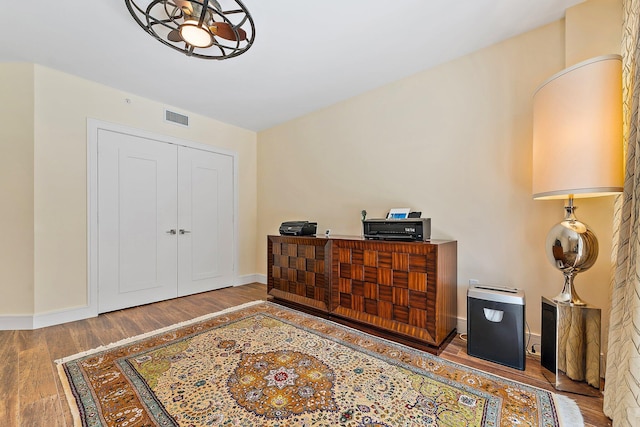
(622, 378)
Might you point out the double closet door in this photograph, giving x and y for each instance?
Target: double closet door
(165, 220)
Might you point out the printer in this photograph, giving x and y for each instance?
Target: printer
(298, 228)
(409, 229)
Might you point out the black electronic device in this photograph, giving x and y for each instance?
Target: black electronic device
(411, 229)
(298, 228)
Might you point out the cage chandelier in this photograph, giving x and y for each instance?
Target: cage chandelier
(208, 29)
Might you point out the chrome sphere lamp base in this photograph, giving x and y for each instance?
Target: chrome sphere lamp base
(571, 247)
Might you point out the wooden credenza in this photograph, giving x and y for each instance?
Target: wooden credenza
(404, 291)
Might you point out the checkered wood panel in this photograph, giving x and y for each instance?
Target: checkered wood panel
(387, 282)
(298, 269)
(403, 291)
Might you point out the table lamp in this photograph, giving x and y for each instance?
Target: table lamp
(577, 152)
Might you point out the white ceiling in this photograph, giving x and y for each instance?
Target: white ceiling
(307, 55)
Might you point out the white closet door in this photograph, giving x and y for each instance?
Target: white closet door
(205, 221)
(137, 217)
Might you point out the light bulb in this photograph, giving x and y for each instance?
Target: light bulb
(195, 35)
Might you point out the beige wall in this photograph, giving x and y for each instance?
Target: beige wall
(16, 188)
(453, 142)
(62, 105)
(593, 28)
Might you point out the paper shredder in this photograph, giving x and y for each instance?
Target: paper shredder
(495, 325)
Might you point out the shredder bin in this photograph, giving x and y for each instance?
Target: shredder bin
(495, 325)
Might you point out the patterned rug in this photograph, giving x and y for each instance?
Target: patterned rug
(261, 364)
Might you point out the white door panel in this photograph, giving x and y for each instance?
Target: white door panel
(205, 221)
(136, 208)
(165, 218)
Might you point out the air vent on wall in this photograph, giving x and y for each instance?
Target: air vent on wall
(177, 118)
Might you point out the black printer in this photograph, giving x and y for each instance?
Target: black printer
(298, 228)
(411, 229)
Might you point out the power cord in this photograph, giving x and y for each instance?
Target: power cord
(531, 352)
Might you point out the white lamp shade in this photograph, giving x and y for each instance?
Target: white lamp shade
(577, 131)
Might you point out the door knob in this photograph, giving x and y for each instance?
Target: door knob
(183, 231)
(172, 231)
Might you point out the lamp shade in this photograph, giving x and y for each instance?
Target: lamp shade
(577, 131)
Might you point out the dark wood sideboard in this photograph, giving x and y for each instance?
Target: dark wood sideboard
(403, 291)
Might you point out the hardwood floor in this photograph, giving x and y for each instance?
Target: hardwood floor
(31, 393)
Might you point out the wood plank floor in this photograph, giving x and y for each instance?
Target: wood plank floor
(31, 393)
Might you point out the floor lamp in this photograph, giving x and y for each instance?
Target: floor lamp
(577, 152)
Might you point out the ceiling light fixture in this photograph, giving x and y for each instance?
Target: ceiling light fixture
(207, 29)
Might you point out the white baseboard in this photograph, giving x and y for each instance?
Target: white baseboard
(461, 326)
(251, 278)
(63, 316)
(16, 323)
(36, 321)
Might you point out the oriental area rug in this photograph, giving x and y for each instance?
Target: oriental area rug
(261, 364)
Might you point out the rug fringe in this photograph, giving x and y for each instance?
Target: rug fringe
(568, 412)
(66, 387)
(156, 332)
